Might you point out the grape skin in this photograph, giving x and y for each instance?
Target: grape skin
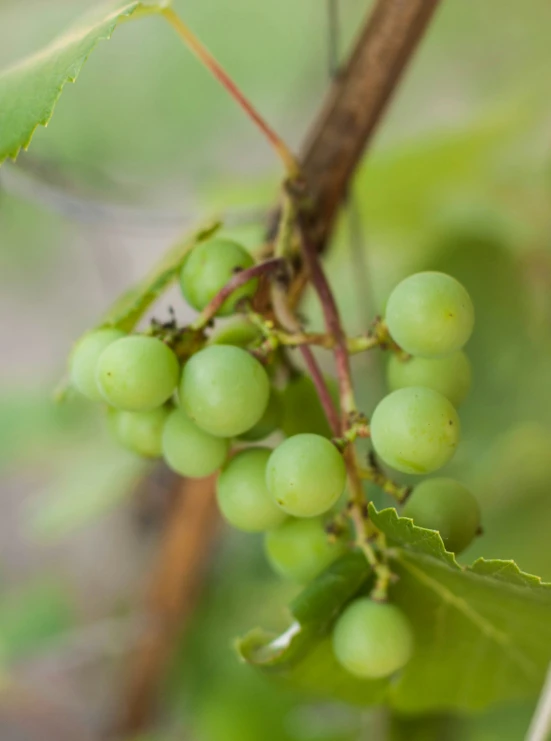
(207, 269)
(306, 475)
(242, 494)
(371, 639)
(430, 314)
(137, 373)
(238, 331)
(190, 451)
(84, 359)
(299, 550)
(450, 376)
(224, 390)
(445, 505)
(415, 430)
(140, 432)
(269, 422)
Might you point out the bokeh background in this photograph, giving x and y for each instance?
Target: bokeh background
(141, 149)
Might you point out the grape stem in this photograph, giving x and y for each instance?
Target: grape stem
(289, 161)
(380, 479)
(332, 322)
(288, 320)
(278, 337)
(357, 503)
(272, 265)
(283, 243)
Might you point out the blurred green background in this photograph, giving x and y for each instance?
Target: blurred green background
(141, 148)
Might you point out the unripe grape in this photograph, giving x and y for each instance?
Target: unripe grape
(447, 506)
(239, 331)
(84, 359)
(242, 494)
(140, 432)
(299, 550)
(450, 376)
(224, 390)
(306, 475)
(207, 269)
(302, 409)
(415, 430)
(190, 451)
(371, 639)
(137, 373)
(270, 420)
(430, 314)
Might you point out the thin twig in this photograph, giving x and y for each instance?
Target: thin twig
(287, 157)
(238, 280)
(333, 37)
(287, 319)
(333, 325)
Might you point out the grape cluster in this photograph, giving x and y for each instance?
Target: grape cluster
(193, 412)
(201, 409)
(416, 429)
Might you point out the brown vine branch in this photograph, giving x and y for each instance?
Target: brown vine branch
(356, 102)
(175, 581)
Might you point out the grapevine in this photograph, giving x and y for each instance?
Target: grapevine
(306, 493)
(237, 404)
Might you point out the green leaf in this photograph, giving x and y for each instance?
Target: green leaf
(302, 655)
(482, 633)
(312, 612)
(30, 89)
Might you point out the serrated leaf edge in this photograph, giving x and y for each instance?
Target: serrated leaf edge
(423, 533)
(137, 7)
(477, 567)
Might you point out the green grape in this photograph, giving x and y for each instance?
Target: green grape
(306, 475)
(84, 360)
(371, 639)
(299, 550)
(137, 373)
(224, 390)
(270, 420)
(415, 430)
(238, 330)
(450, 376)
(302, 409)
(140, 432)
(190, 451)
(207, 269)
(447, 506)
(242, 494)
(430, 314)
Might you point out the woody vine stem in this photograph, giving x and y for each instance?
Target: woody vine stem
(293, 222)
